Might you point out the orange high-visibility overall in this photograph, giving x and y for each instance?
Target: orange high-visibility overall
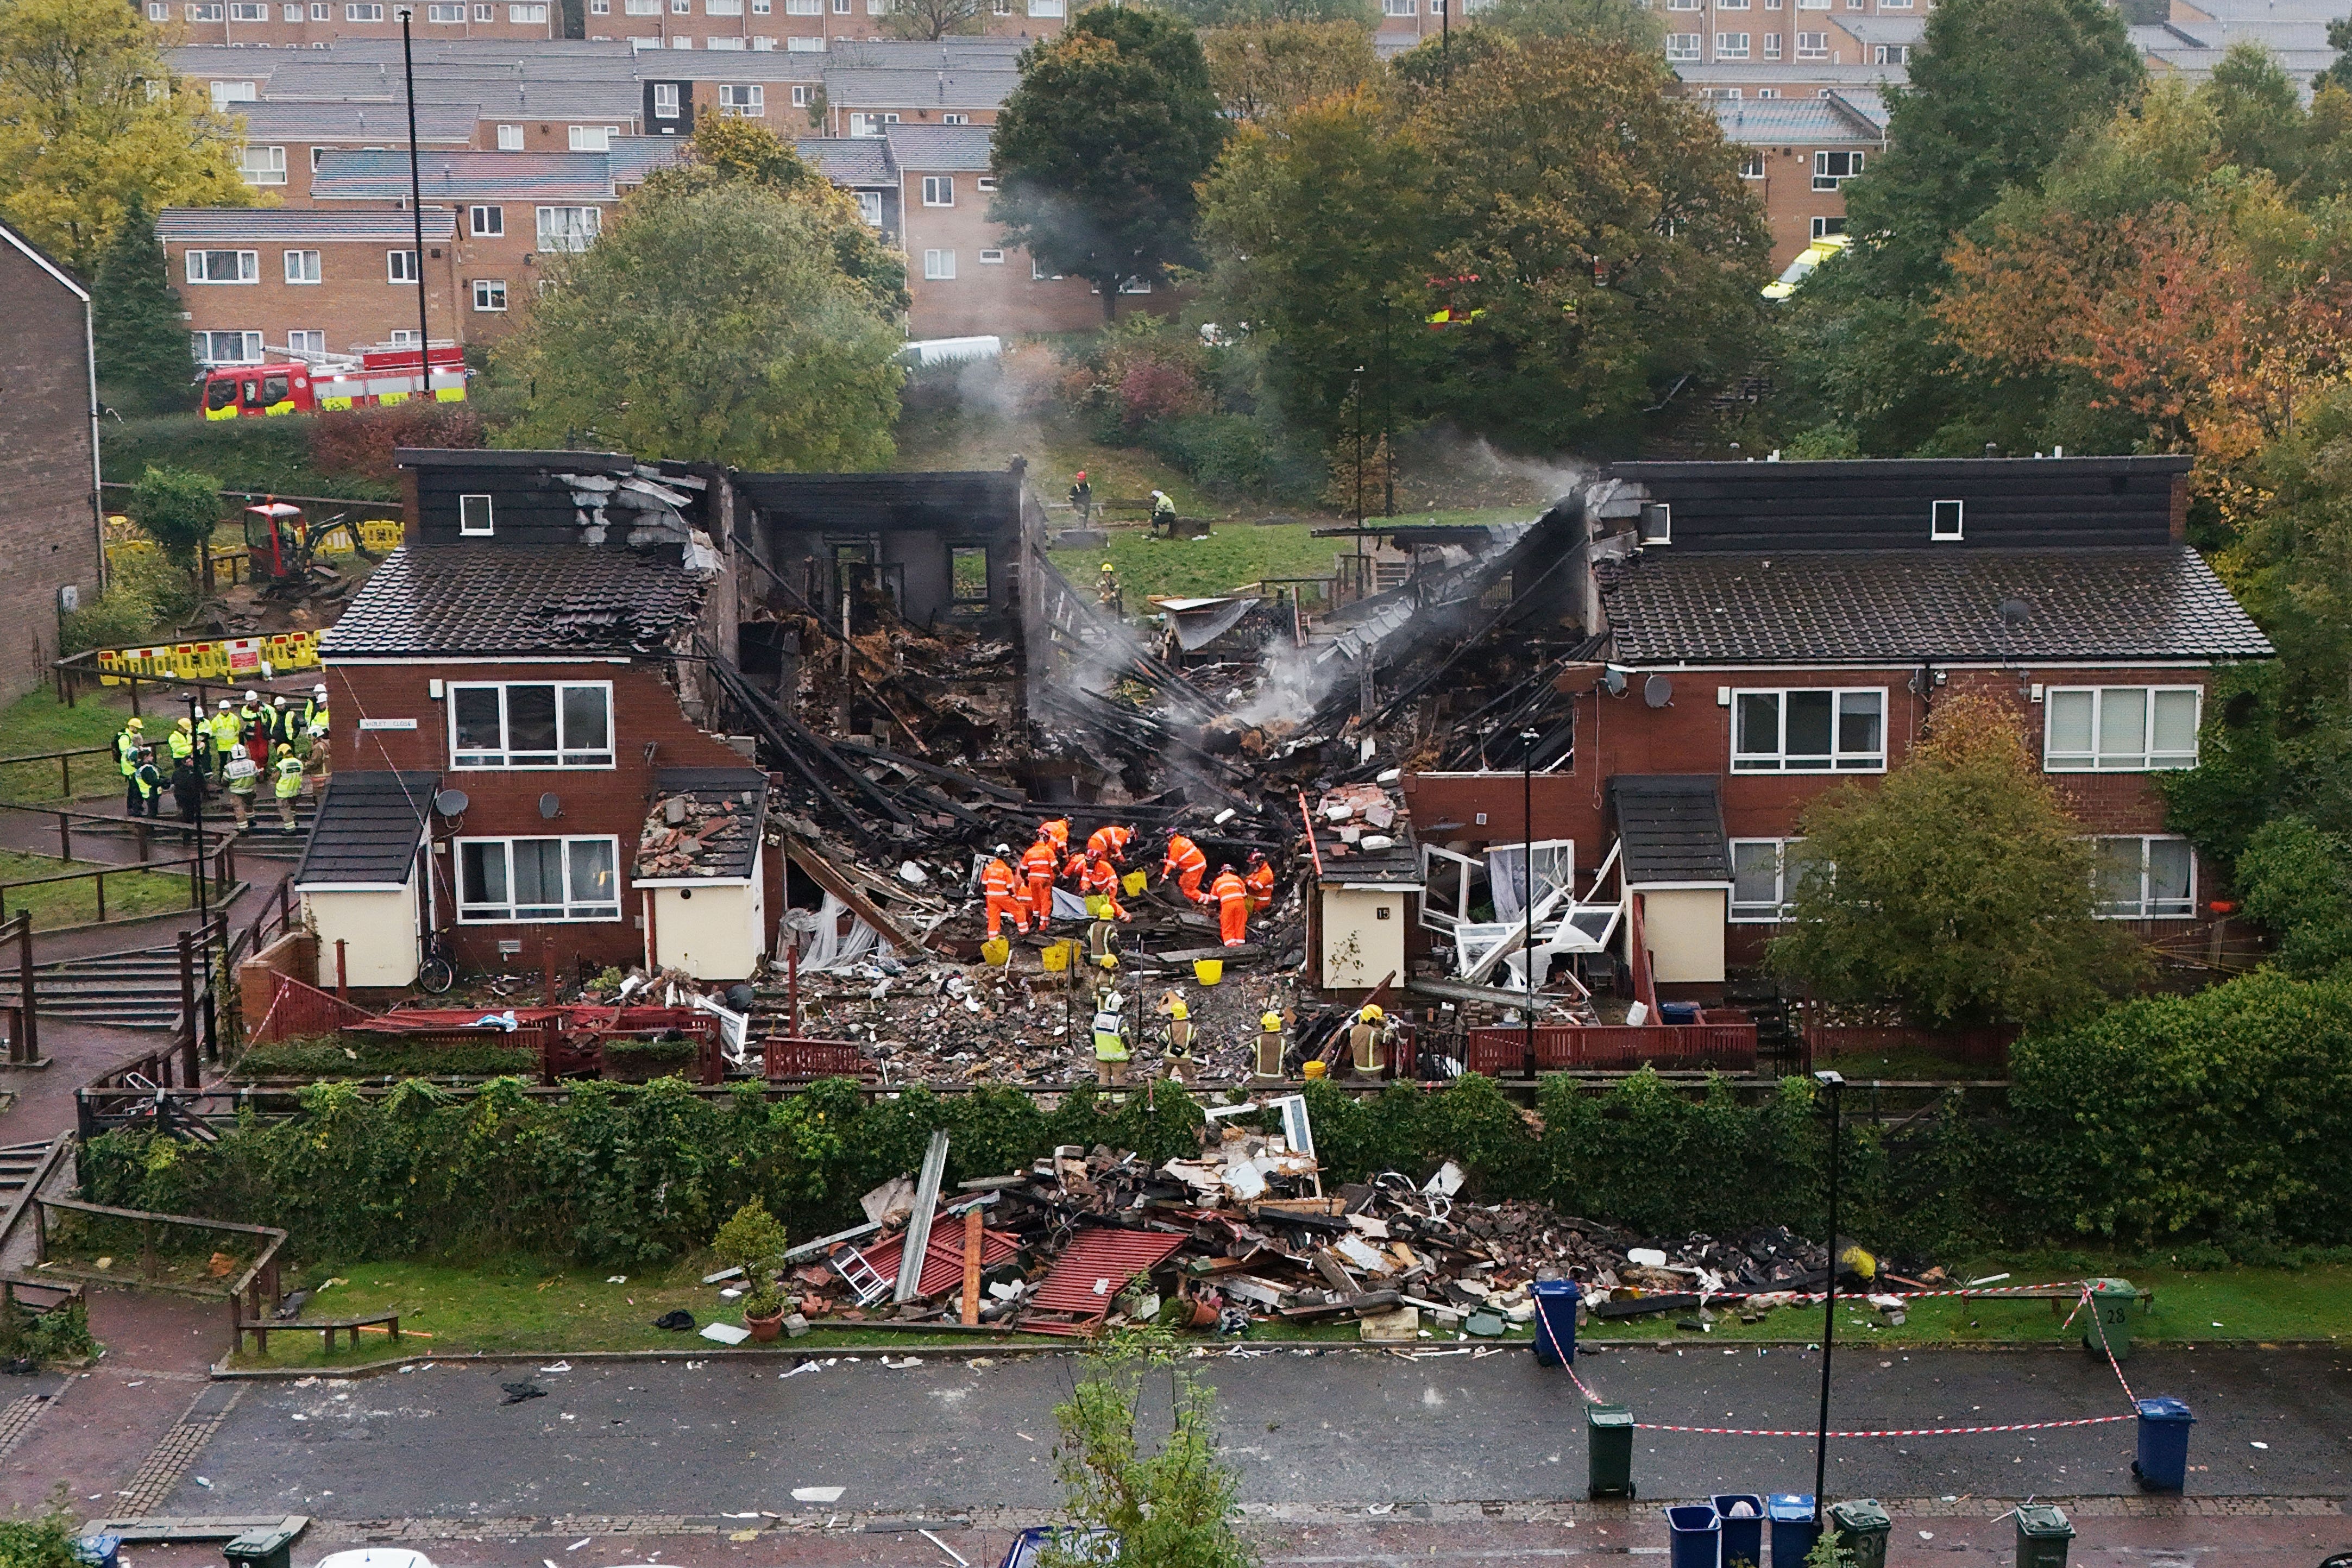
(1232, 908)
(1099, 880)
(1037, 863)
(997, 881)
(1260, 883)
(1188, 866)
(1109, 843)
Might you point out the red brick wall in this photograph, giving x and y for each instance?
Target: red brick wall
(505, 804)
(295, 955)
(1692, 735)
(51, 537)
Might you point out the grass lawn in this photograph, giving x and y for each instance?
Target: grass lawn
(128, 892)
(519, 1305)
(38, 722)
(1237, 553)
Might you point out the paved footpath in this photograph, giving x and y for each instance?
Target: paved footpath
(1359, 1444)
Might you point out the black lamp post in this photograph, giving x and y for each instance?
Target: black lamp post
(417, 207)
(204, 899)
(1835, 1084)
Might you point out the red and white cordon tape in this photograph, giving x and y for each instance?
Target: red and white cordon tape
(1980, 1291)
(1593, 1398)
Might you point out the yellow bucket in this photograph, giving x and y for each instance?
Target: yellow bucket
(1313, 1070)
(1134, 882)
(1057, 958)
(1208, 971)
(995, 951)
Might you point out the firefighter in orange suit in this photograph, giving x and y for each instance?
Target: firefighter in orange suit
(1002, 887)
(1187, 864)
(1109, 844)
(1232, 907)
(1057, 834)
(1038, 863)
(1259, 880)
(1099, 881)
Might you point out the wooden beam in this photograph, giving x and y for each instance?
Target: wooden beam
(829, 876)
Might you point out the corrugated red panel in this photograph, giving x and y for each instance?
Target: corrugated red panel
(943, 1258)
(1104, 1257)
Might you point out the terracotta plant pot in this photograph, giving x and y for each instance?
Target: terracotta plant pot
(764, 1330)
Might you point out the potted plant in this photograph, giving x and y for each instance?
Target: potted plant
(755, 1241)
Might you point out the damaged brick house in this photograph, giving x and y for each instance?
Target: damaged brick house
(1758, 633)
(518, 693)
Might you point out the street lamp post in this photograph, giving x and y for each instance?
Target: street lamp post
(1835, 1084)
(1528, 738)
(204, 899)
(417, 207)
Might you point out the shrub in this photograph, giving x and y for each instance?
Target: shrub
(177, 509)
(361, 442)
(147, 594)
(390, 1058)
(752, 1242)
(1154, 388)
(2293, 878)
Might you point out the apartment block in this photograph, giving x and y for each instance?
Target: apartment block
(1797, 154)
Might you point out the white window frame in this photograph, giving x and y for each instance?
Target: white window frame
(249, 348)
(158, 11)
(1731, 45)
(2146, 905)
(1397, 7)
(1824, 227)
(199, 267)
(1839, 758)
(1771, 52)
(574, 909)
(485, 220)
(984, 184)
(800, 95)
(1752, 164)
(869, 207)
(471, 760)
(665, 101)
(510, 138)
(249, 11)
(743, 101)
(592, 224)
(1824, 179)
(939, 190)
(1784, 892)
(1046, 9)
(484, 13)
(303, 268)
(487, 301)
(592, 138)
(306, 340)
(1946, 519)
(939, 265)
(468, 513)
(991, 258)
(452, 12)
(364, 12)
(1818, 48)
(955, 120)
(208, 11)
(527, 12)
(1685, 47)
(400, 266)
(2100, 699)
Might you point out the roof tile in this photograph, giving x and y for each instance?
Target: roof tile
(487, 599)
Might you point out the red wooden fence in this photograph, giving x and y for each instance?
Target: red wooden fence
(297, 1009)
(1724, 1047)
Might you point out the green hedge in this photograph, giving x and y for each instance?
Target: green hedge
(393, 1058)
(624, 1174)
(2221, 1117)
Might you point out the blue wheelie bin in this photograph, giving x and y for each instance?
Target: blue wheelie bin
(1555, 1303)
(2163, 1461)
(1794, 1530)
(1693, 1536)
(1743, 1532)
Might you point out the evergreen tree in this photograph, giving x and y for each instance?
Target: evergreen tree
(143, 361)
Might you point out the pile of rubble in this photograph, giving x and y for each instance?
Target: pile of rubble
(1244, 1233)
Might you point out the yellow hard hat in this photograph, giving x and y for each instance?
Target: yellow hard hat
(1177, 1010)
(1106, 566)
(1109, 961)
(183, 724)
(1270, 1019)
(1313, 1070)
(284, 749)
(1373, 1015)
(137, 724)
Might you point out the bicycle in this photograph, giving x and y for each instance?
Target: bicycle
(437, 973)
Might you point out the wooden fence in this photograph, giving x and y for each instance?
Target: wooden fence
(1558, 1048)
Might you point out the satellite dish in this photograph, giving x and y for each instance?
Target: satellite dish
(1657, 691)
(450, 802)
(2015, 611)
(1614, 680)
(550, 805)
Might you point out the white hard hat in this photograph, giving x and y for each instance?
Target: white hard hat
(223, 705)
(1003, 850)
(238, 751)
(253, 697)
(320, 690)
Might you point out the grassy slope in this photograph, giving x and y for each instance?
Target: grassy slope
(38, 722)
(128, 894)
(271, 455)
(518, 1305)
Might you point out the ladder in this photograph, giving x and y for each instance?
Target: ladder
(851, 1265)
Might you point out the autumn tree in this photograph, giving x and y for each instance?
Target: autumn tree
(1264, 69)
(90, 115)
(1863, 352)
(1959, 889)
(928, 21)
(1636, 26)
(142, 343)
(793, 362)
(1210, 14)
(1099, 149)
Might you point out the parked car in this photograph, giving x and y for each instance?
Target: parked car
(1028, 1548)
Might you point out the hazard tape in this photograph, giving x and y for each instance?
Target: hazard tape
(1979, 1292)
(1889, 1432)
(1592, 1398)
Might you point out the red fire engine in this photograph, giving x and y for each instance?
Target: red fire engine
(321, 382)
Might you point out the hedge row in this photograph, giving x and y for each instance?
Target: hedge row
(2213, 1120)
(611, 1174)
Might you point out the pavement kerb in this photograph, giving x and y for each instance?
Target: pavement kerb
(222, 1371)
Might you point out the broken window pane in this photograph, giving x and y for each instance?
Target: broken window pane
(479, 739)
(483, 868)
(531, 726)
(2171, 877)
(595, 885)
(968, 573)
(587, 725)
